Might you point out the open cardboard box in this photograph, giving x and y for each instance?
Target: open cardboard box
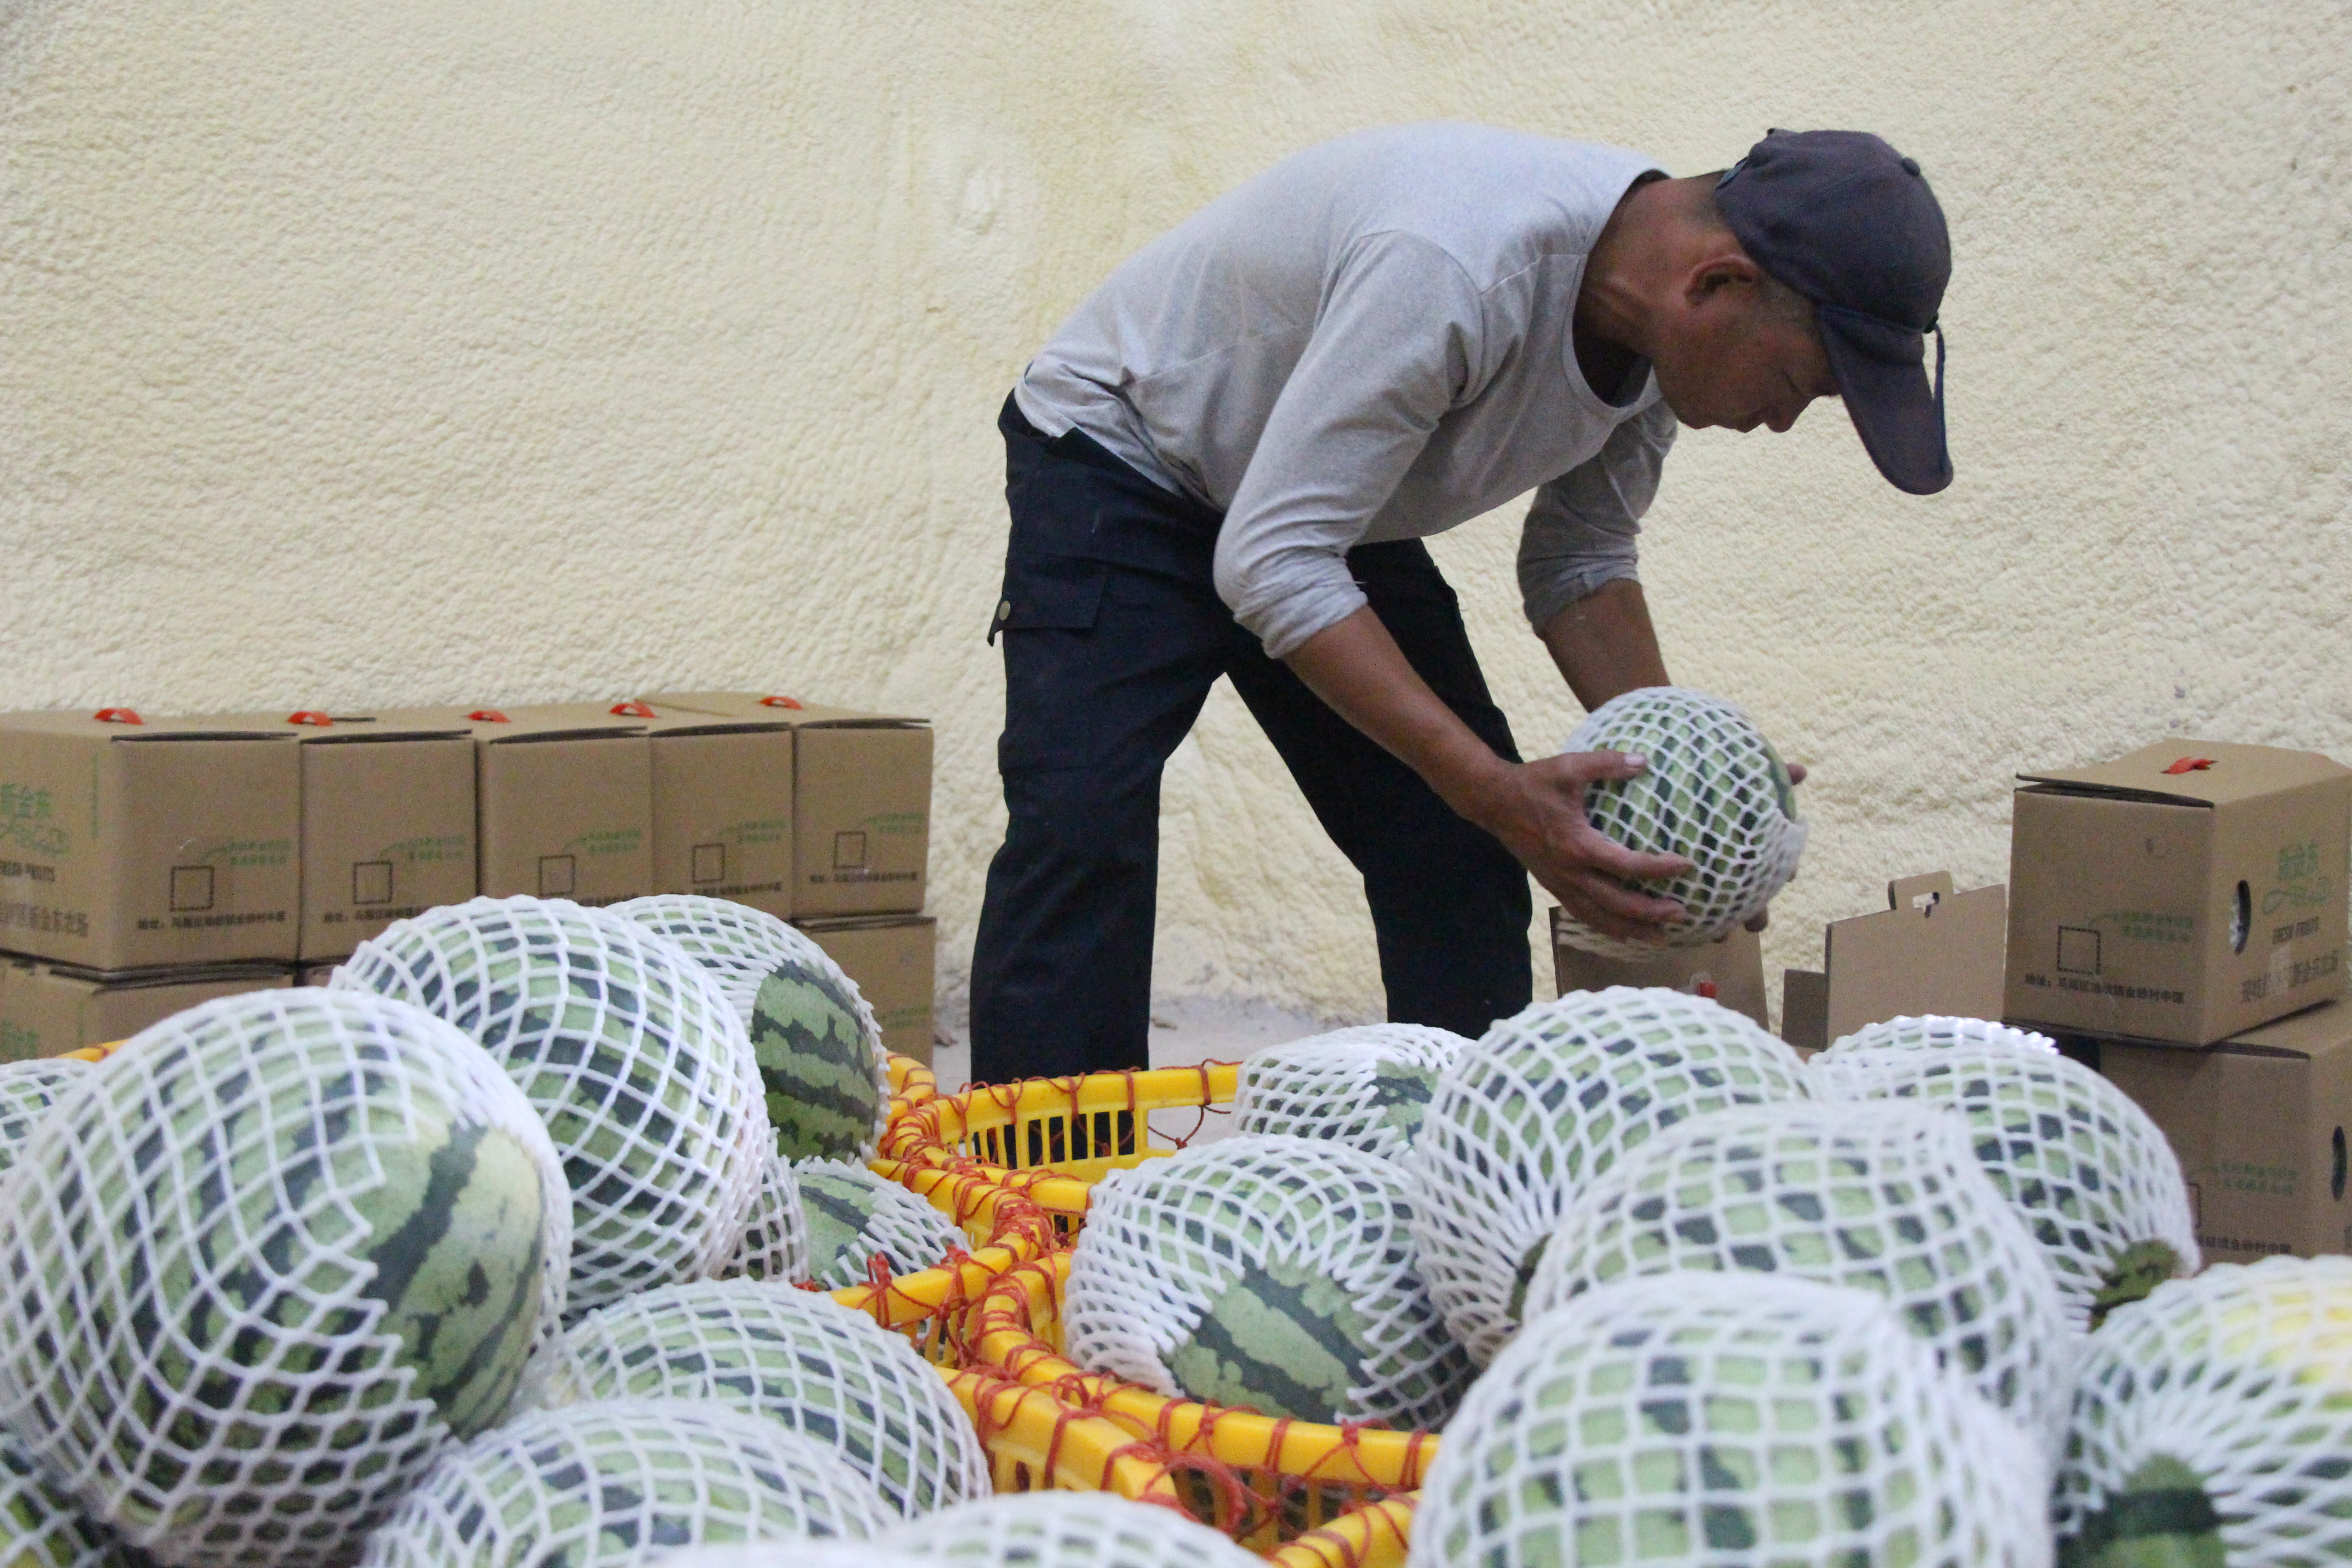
(130, 843)
(2185, 893)
(861, 800)
(1730, 970)
(1932, 950)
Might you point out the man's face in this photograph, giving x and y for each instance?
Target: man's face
(1724, 361)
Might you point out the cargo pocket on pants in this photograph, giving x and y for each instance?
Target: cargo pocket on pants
(1049, 592)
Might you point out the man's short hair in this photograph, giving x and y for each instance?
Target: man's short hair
(1775, 299)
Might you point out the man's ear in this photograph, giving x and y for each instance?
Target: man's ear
(1727, 270)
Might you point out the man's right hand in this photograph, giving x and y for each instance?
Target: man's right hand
(1536, 809)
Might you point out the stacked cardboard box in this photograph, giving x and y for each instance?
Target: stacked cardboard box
(153, 863)
(2178, 917)
(853, 866)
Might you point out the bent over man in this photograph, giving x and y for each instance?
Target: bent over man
(1225, 462)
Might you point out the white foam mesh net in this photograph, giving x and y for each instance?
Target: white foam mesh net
(278, 1252)
(1934, 1033)
(1367, 1087)
(620, 1482)
(632, 1055)
(798, 1358)
(1699, 1419)
(27, 1091)
(1065, 1529)
(40, 1526)
(1715, 794)
(1877, 1195)
(791, 1554)
(742, 947)
(1544, 1102)
(1271, 1272)
(776, 1241)
(2094, 1180)
(855, 1215)
(2220, 1405)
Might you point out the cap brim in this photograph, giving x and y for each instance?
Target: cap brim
(1882, 372)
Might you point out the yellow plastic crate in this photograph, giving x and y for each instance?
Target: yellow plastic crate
(1374, 1536)
(1262, 1480)
(1049, 1140)
(911, 1083)
(1036, 1443)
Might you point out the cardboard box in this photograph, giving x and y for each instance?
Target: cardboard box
(1730, 970)
(127, 843)
(387, 822)
(563, 799)
(722, 813)
(1932, 951)
(2259, 1123)
(894, 961)
(2184, 894)
(861, 800)
(47, 1010)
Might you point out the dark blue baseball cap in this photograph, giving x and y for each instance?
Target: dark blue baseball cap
(1849, 223)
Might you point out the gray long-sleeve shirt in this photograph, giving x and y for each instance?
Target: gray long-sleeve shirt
(1371, 341)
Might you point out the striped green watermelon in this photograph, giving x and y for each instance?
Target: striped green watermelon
(1060, 1529)
(281, 1249)
(1727, 1420)
(798, 1358)
(616, 1483)
(631, 1055)
(820, 1050)
(2213, 1423)
(27, 1090)
(853, 1214)
(1264, 1271)
(1546, 1102)
(1715, 794)
(1367, 1086)
(776, 1241)
(40, 1527)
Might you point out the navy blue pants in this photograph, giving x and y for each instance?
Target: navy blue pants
(1113, 635)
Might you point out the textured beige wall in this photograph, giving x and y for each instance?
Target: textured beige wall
(459, 348)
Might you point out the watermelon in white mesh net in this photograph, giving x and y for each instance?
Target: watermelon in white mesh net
(276, 1253)
(620, 1482)
(775, 1245)
(795, 1553)
(1367, 1087)
(1272, 1273)
(1877, 1195)
(820, 1050)
(798, 1358)
(629, 1051)
(2092, 1176)
(27, 1090)
(1706, 1419)
(42, 1527)
(1545, 1101)
(1934, 1033)
(854, 1216)
(1715, 794)
(2213, 1423)
(1065, 1529)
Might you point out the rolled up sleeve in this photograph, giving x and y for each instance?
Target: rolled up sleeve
(1397, 343)
(1583, 529)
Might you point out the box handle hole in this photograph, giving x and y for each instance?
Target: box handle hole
(2241, 919)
